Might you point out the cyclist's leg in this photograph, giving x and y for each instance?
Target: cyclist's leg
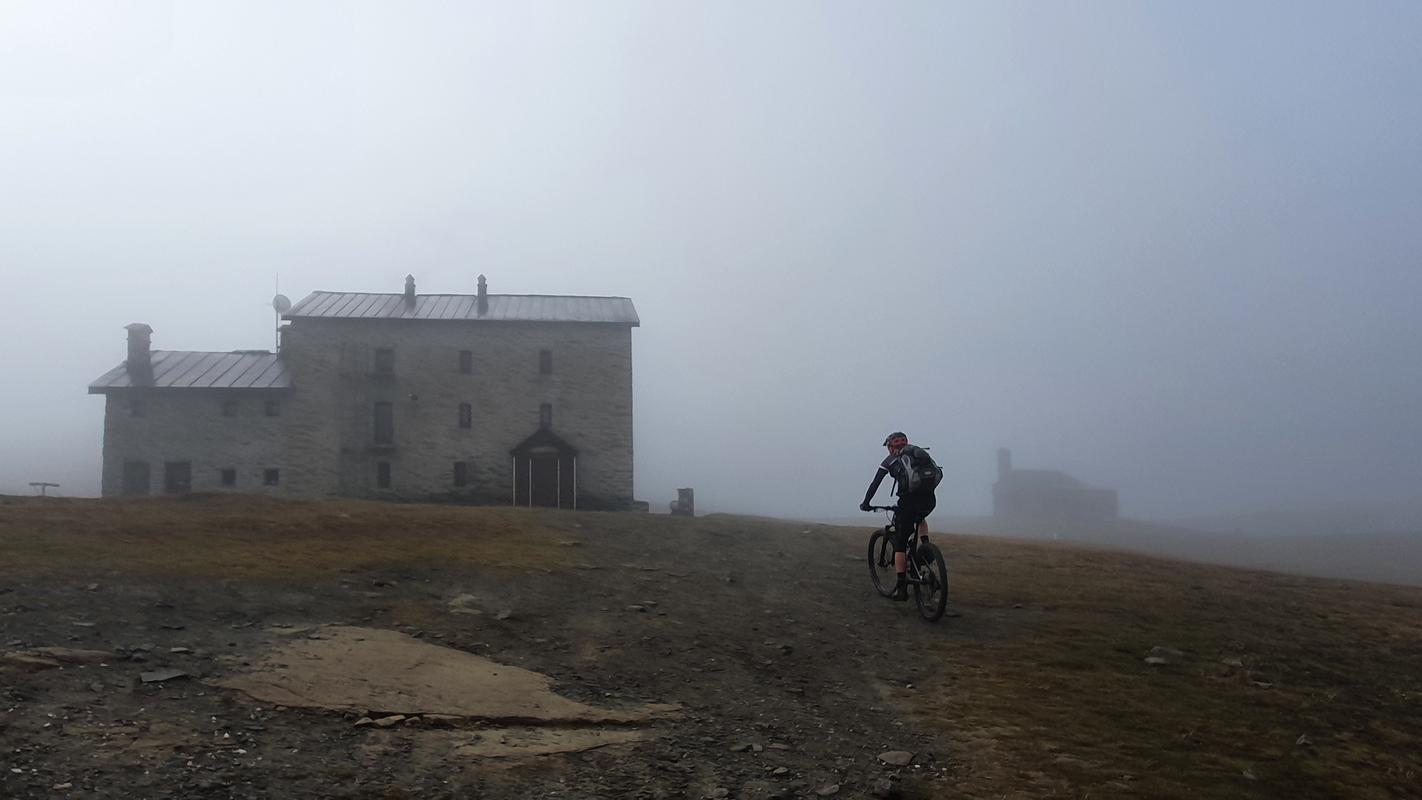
(925, 507)
(904, 521)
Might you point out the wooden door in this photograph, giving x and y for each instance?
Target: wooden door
(545, 481)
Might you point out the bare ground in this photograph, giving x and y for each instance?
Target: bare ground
(782, 673)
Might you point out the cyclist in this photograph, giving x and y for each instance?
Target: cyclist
(914, 506)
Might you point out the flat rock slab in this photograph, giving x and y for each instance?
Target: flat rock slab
(368, 669)
(521, 742)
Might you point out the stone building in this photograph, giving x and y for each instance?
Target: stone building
(1047, 494)
(484, 398)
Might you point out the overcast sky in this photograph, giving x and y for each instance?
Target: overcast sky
(1174, 249)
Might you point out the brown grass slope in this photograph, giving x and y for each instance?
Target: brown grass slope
(1036, 685)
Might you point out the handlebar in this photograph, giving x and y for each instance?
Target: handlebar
(883, 508)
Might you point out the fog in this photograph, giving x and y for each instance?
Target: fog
(1171, 249)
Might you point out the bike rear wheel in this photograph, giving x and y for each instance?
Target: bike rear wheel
(930, 594)
(881, 563)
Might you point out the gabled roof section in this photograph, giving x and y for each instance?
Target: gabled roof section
(187, 369)
(544, 437)
(465, 307)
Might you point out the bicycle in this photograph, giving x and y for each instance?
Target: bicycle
(927, 573)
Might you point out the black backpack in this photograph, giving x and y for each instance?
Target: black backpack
(920, 472)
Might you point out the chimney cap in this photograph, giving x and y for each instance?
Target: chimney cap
(138, 327)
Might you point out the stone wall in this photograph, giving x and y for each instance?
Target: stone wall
(323, 440)
(188, 425)
(332, 366)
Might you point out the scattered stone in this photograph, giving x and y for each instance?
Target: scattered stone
(1232, 662)
(443, 720)
(93, 587)
(778, 746)
(82, 624)
(828, 791)
(1261, 684)
(59, 787)
(897, 758)
(1303, 740)
(386, 722)
(1249, 774)
(1166, 652)
(1156, 660)
(506, 613)
(637, 608)
(780, 771)
(883, 787)
(718, 793)
(741, 747)
(179, 650)
(570, 543)
(364, 721)
(160, 675)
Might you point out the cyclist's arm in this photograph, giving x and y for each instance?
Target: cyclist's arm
(874, 487)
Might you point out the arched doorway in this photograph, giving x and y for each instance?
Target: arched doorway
(545, 471)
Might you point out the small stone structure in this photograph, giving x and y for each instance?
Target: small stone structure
(1047, 494)
(685, 503)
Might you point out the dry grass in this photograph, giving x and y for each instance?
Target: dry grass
(254, 537)
(1066, 705)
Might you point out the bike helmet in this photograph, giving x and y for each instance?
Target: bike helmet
(896, 439)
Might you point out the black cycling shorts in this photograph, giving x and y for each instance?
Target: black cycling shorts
(913, 509)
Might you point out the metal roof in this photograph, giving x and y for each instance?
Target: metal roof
(502, 307)
(186, 369)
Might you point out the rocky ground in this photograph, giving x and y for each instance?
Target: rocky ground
(176, 649)
(774, 649)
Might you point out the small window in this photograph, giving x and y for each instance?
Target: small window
(271, 477)
(384, 423)
(466, 415)
(384, 361)
(461, 473)
(229, 477)
(545, 415)
(545, 362)
(466, 361)
(382, 474)
(136, 407)
(229, 407)
(273, 408)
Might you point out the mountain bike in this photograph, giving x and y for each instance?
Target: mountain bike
(927, 573)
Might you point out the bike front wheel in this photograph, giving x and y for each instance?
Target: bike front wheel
(930, 593)
(881, 563)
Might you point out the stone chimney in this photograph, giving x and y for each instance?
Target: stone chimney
(409, 290)
(1004, 462)
(140, 357)
(483, 296)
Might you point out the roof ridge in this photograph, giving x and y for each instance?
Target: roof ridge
(473, 294)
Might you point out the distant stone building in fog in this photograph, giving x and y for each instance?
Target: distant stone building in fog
(521, 399)
(1047, 494)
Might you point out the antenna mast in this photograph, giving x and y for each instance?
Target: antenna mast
(280, 304)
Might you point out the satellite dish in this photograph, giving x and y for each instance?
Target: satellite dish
(281, 303)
